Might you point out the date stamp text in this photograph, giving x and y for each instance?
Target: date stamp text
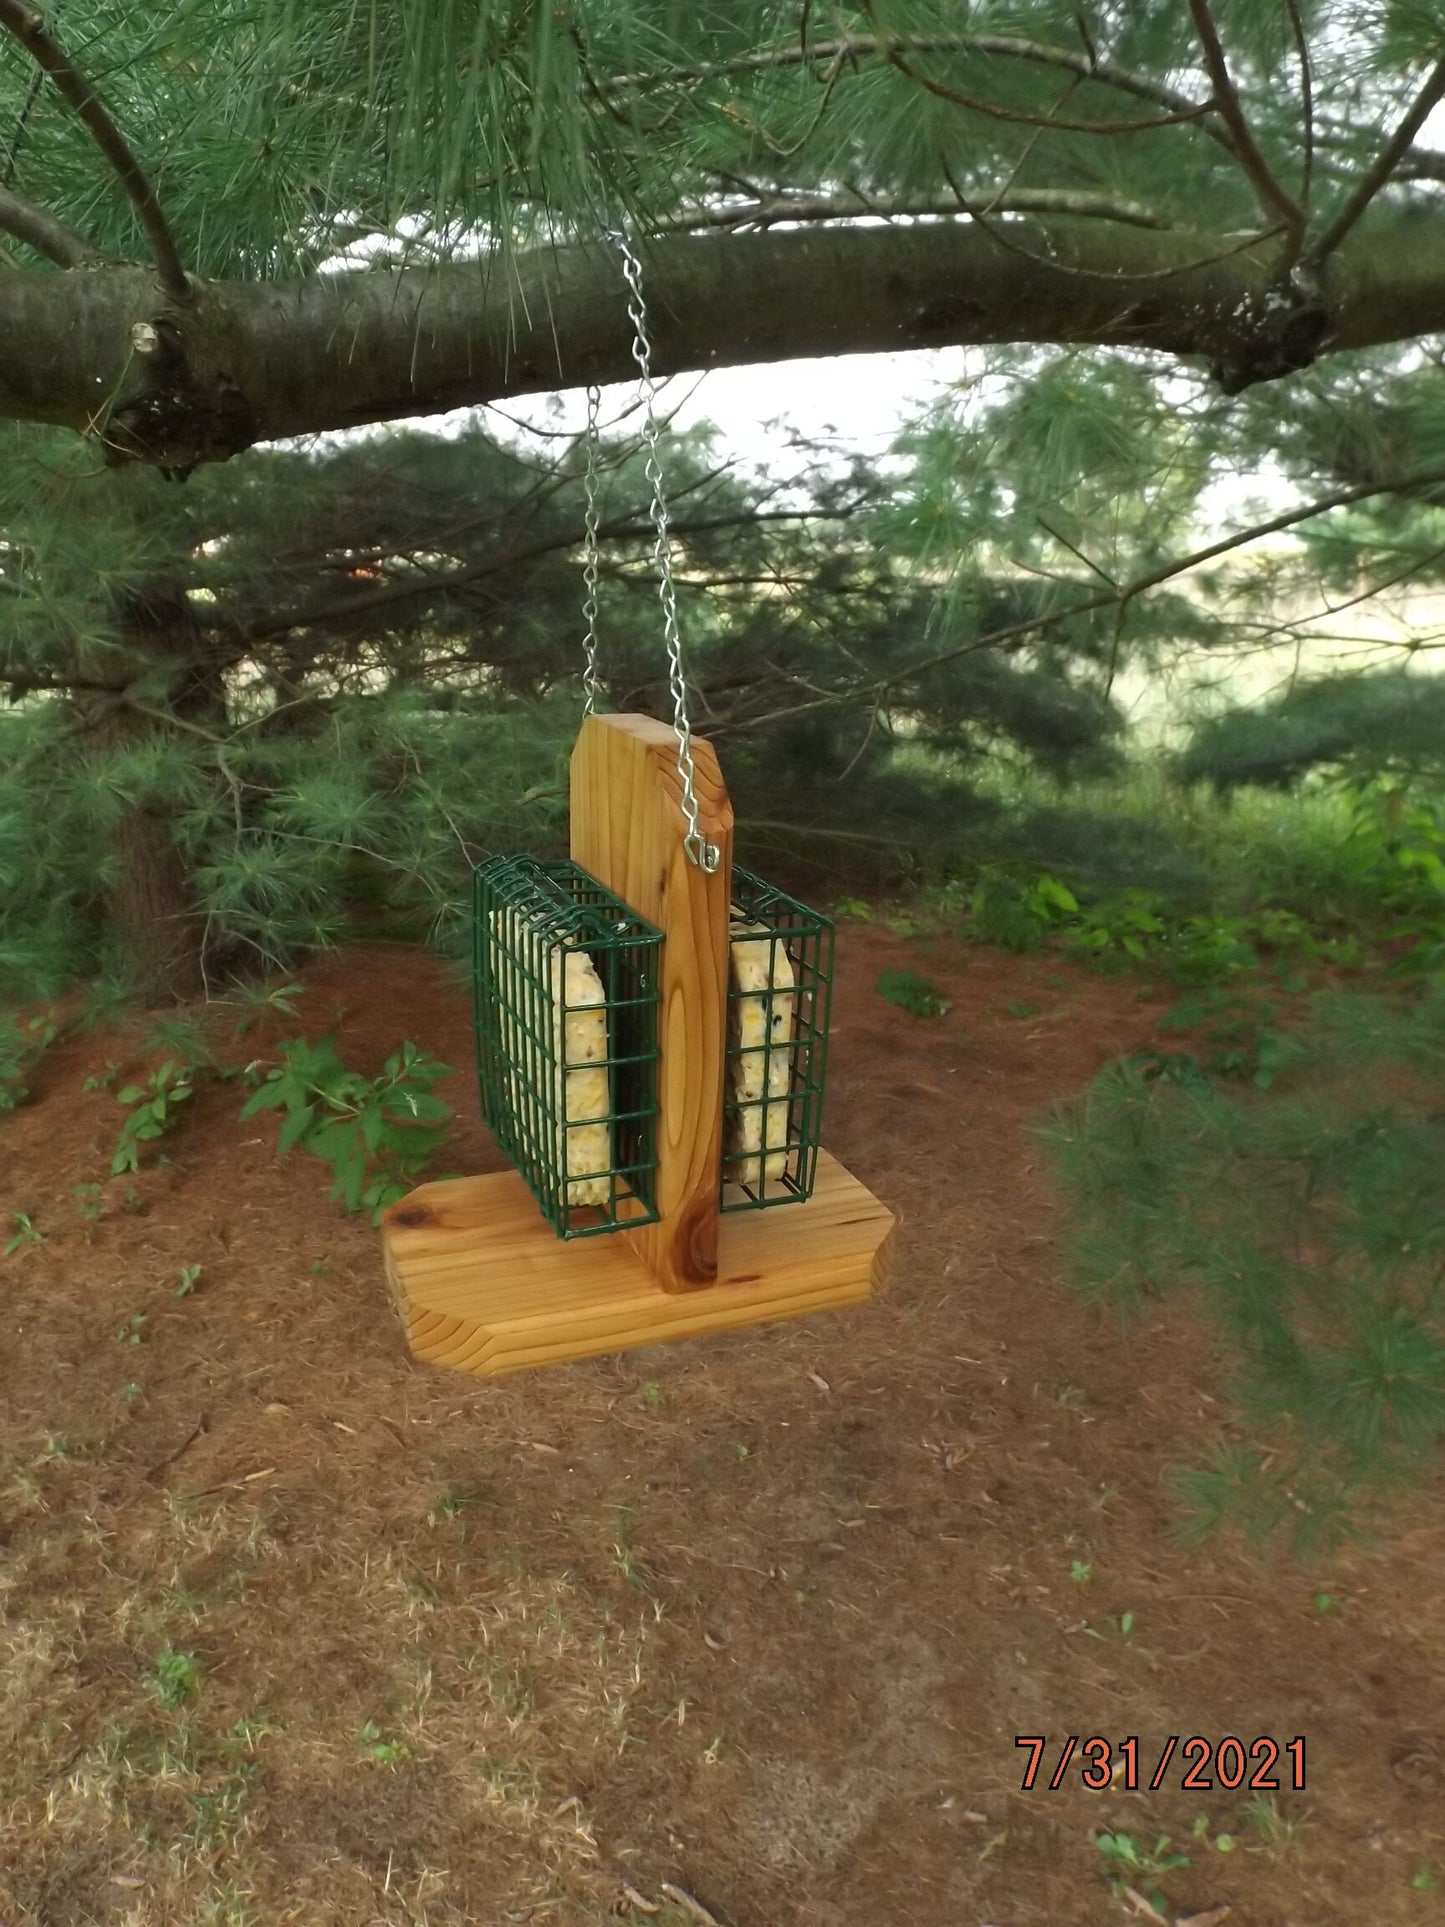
(1262, 1765)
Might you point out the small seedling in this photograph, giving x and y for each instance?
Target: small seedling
(1424, 1881)
(1022, 1009)
(132, 1201)
(374, 1742)
(102, 1080)
(319, 1269)
(853, 909)
(132, 1332)
(190, 1279)
(152, 1113)
(911, 992)
(1325, 1602)
(176, 1677)
(87, 1201)
(1221, 1842)
(26, 1232)
(1127, 1863)
(1080, 1571)
(130, 1393)
(1122, 1627)
(654, 1397)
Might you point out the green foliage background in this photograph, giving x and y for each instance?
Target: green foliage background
(1309, 1225)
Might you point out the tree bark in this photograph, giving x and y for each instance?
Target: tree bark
(153, 911)
(101, 348)
(158, 930)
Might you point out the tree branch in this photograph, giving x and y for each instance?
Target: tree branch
(1085, 66)
(266, 360)
(768, 212)
(437, 582)
(29, 29)
(17, 133)
(976, 103)
(1268, 186)
(1307, 101)
(1125, 593)
(1421, 164)
(45, 233)
(1380, 170)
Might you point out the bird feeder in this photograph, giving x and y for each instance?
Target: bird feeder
(705, 1005)
(652, 1030)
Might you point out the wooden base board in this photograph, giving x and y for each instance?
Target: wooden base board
(481, 1282)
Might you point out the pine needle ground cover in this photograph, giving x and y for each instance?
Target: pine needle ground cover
(291, 1629)
(1307, 1214)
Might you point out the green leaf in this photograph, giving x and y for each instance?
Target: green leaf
(268, 1097)
(1058, 894)
(295, 1126)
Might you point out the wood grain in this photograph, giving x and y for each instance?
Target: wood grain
(627, 830)
(482, 1283)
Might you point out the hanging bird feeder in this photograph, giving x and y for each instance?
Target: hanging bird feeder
(651, 1029)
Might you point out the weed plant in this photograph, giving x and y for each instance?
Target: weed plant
(378, 1134)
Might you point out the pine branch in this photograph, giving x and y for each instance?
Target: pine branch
(983, 215)
(976, 103)
(1307, 100)
(333, 351)
(26, 682)
(17, 133)
(1422, 164)
(28, 28)
(1266, 635)
(437, 582)
(1127, 592)
(767, 211)
(1380, 170)
(1226, 95)
(1085, 66)
(45, 233)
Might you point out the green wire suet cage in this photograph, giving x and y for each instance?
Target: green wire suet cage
(779, 989)
(566, 982)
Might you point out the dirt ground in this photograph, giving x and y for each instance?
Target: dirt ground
(755, 1618)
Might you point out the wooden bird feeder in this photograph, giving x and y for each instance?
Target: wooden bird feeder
(480, 1278)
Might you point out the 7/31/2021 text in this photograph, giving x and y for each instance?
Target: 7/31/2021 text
(1227, 1762)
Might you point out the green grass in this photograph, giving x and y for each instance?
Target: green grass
(1227, 854)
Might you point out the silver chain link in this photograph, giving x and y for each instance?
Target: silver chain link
(705, 855)
(589, 555)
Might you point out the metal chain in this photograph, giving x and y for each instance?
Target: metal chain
(705, 855)
(589, 555)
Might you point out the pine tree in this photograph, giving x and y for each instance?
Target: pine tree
(239, 223)
(320, 672)
(1240, 185)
